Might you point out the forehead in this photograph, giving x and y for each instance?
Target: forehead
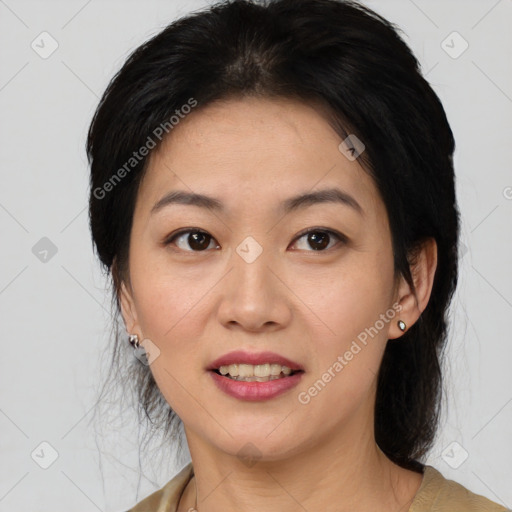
(267, 149)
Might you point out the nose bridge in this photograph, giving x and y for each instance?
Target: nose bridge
(254, 297)
(251, 262)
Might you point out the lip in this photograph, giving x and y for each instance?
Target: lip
(255, 391)
(243, 357)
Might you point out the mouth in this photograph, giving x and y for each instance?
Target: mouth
(253, 387)
(254, 367)
(255, 376)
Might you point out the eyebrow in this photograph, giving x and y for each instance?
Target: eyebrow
(329, 195)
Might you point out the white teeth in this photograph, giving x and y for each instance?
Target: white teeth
(245, 370)
(275, 369)
(257, 379)
(232, 370)
(263, 371)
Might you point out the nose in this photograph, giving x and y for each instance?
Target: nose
(254, 296)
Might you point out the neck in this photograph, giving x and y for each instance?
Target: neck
(333, 475)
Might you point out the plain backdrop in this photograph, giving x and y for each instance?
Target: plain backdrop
(54, 303)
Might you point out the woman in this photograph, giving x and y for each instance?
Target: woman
(272, 189)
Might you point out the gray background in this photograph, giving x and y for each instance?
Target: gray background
(55, 306)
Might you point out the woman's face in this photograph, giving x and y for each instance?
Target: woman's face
(252, 281)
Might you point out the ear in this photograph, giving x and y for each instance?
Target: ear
(128, 310)
(423, 268)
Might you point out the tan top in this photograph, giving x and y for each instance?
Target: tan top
(435, 494)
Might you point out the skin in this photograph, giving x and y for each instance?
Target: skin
(305, 304)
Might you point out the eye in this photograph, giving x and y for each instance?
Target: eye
(319, 238)
(196, 239)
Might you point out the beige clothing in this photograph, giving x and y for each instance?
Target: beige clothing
(436, 494)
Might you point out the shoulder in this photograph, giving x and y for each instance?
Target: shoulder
(439, 494)
(166, 499)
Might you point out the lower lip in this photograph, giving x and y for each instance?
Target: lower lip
(255, 391)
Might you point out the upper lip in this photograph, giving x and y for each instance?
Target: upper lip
(254, 358)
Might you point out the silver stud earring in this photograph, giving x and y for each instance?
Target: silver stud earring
(134, 340)
(401, 325)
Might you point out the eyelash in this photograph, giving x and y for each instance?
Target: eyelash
(342, 238)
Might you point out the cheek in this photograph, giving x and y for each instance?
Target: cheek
(349, 299)
(348, 333)
(169, 313)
